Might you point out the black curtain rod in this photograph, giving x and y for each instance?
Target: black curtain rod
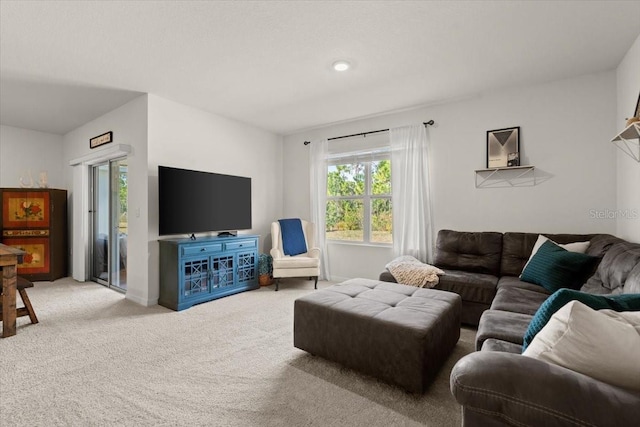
(429, 123)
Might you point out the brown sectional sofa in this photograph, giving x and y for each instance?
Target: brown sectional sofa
(516, 301)
(476, 264)
(498, 386)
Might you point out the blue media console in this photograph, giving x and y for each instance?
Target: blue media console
(195, 271)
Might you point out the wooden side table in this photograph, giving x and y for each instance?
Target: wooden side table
(9, 259)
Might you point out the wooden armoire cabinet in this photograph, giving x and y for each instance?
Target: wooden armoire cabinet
(35, 220)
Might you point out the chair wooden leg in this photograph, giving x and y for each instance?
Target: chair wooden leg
(277, 283)
(28, 306)
(315, 285)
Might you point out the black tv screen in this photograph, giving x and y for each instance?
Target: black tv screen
(195, 202)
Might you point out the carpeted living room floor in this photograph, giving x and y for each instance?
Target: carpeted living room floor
(98, 359)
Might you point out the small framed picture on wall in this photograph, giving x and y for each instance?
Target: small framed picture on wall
(503, 147)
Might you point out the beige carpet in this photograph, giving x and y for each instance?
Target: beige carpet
(98, 359)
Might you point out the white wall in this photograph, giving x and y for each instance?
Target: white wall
(628, 89)
(24, 151)
(186, 137)
(565, 127)
(163, 132)
(129, 126)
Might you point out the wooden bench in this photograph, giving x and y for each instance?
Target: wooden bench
(21, 285)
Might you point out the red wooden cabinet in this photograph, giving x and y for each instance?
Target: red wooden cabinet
(35, 220)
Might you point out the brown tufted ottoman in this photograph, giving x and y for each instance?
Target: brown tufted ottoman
(398, 333)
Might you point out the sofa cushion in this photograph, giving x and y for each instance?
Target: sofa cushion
(386, 276)
(580, 247)
(473, 287)
(582, 339)
(502, 325)
(553, 267)
(502, 389)
(519, 300)
(628, 302)
(615, 269)
(493, 344)
(600, 244)
(632, 285)
(515, 282)
(478, 252)
(517, 247)
(484, 289)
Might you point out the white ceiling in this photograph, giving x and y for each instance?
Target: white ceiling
(269, 63)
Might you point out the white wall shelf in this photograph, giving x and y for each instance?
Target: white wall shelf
(629, 141)
(513, 176)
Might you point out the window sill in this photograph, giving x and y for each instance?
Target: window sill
(360, 244)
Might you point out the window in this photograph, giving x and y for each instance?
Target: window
(359, 200)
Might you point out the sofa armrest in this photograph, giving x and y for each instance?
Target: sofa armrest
(475, 252)
(386, 276)
(519, 390)
(314, 252)
(275, 253)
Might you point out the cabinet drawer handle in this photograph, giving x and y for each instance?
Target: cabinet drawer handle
(203, 249)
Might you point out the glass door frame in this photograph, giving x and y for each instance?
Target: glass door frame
(112, 251)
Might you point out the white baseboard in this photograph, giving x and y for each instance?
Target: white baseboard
(142, 301)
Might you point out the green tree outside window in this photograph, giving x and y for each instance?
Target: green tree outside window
(359, 202)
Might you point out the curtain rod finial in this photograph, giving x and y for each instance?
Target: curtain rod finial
(430, 123)
(307, 142)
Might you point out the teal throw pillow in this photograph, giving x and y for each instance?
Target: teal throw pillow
(553, 268)
(623, 302)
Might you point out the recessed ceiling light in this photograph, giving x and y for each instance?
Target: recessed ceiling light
(341, 65)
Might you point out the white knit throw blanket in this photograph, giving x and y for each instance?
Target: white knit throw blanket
(410, 271)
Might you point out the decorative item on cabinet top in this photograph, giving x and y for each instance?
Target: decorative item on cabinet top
(27, 184)
(43, 182)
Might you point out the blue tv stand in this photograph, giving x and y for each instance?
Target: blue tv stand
(195, 271)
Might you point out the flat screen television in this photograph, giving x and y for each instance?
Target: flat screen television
(197, 202)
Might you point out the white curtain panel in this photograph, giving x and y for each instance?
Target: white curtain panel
(318, 168)
(412, 225)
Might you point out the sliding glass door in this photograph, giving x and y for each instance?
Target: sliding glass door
(109, 225)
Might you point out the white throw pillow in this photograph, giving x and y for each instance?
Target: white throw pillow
(579, 247)
(602, 344)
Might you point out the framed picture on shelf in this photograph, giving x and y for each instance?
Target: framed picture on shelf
(513, 159)
(503, 147)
